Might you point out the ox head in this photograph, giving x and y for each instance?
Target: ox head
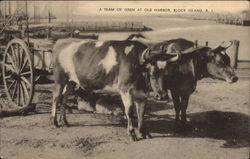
(218, 64)
(156, 62)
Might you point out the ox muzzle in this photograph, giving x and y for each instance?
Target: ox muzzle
(232, 79)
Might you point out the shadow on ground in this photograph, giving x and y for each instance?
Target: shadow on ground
(232, 127)
(229, 126)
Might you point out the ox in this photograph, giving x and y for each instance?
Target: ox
(153, 45)
(196, 63)
(93, 65)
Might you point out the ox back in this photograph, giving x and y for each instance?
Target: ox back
(95, 64)
(180, 44)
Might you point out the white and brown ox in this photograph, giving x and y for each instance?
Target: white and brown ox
(96, 64)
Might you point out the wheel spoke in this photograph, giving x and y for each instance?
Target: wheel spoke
(10, 67)
(12, 84)
(20, 57)
(22, 93)
(13, 54)
(7, 77)
(23, 66)
(14, 92)
(25, 73)
(12, 62)
(25, 89)
(10, 58)
(18, 93)
(16, 53)
(26, 81)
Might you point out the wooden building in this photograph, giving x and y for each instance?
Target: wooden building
(242, 18)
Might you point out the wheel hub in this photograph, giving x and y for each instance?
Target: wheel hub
(16, 76)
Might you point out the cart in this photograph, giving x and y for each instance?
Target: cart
(26, 52)
(24, 62)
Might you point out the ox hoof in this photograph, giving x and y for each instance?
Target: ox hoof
(132, 136)
(148, 136)
(54, 122)
(142, 135)
(145, 135)
(64, 123)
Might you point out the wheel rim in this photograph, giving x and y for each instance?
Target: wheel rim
(18, 73)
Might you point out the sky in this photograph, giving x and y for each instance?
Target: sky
(97, 7)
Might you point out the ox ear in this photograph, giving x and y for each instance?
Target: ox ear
(162, 48)
(141, 35)
(150, 55)
(210, 54)
(146, 55)
(227, 59)
(228, 45)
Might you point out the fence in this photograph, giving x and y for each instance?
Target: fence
(104, 26)
(236, 19)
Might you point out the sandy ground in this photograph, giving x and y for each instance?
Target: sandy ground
(218, 119)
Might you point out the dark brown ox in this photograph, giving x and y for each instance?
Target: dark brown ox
(94, 65)
(154, 45)
(181, 77)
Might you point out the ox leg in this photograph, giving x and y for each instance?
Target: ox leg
(140, 108)
(177, 107)
(69, 88)
(57, 98)
(59, 76)
(184, 104)
(128, 103)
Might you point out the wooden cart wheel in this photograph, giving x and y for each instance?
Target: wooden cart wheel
(18, 72)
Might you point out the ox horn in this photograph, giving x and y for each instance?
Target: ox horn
(231, 43)
(149, 55)
(224, 47)
(221, 43)
(146, 55)
(165, 57)
(220, 46)
(177, 57)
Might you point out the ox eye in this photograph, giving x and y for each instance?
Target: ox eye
(219, 61)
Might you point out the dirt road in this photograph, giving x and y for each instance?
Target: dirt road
(218, 119)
